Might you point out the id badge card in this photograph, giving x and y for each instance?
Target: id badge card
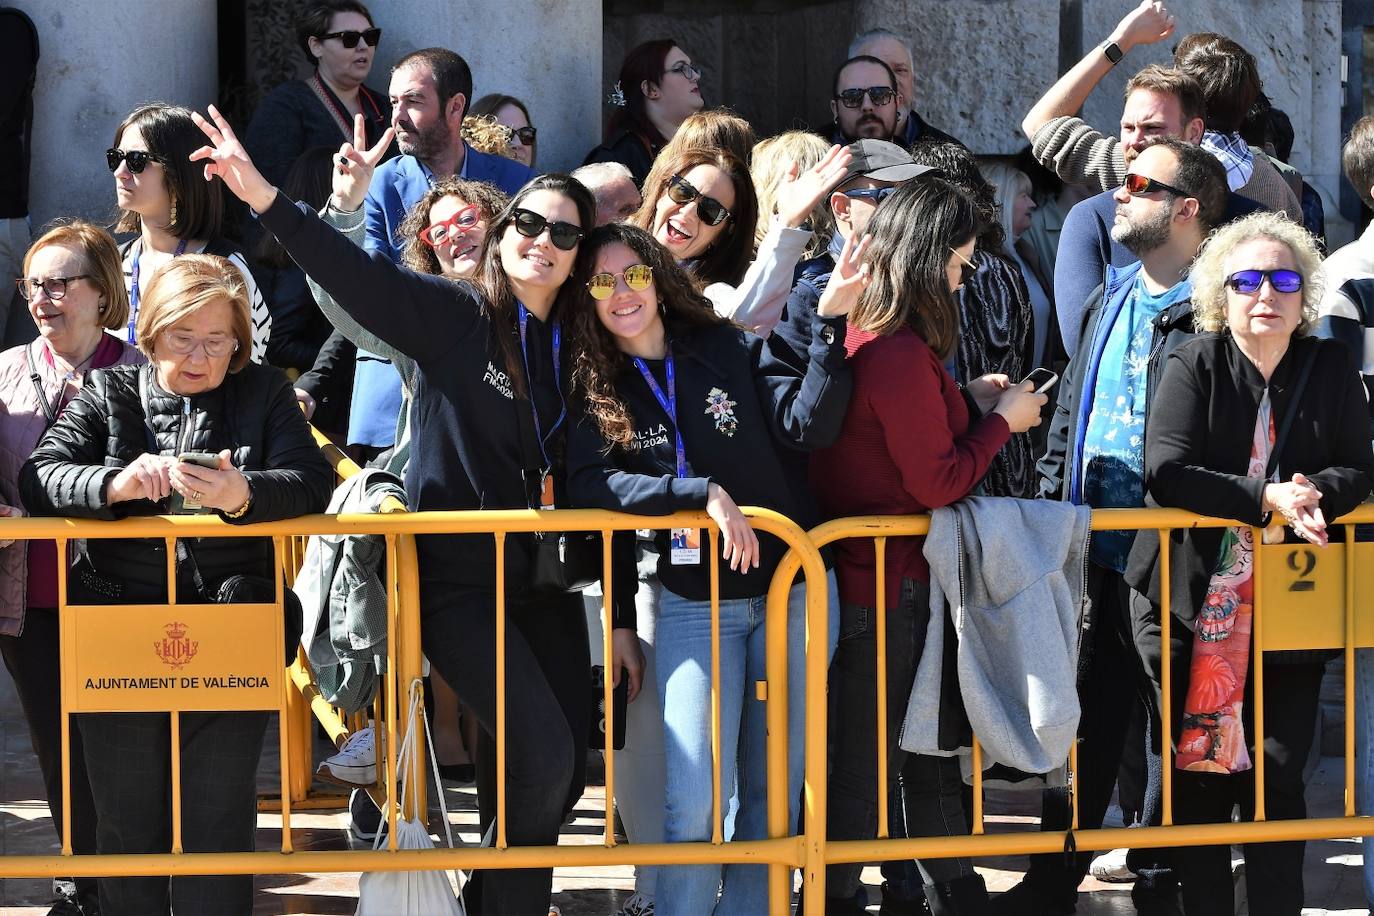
(546, 492)
(684, 546)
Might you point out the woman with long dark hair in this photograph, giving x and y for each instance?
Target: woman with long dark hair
(657, 90)
(909, 444)
(678, 409)
(492, 359)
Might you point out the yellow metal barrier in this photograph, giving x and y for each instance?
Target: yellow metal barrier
(1305, 598)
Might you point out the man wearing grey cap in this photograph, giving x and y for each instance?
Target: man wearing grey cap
(875, 168)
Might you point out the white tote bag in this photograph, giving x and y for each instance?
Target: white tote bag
(411, 893)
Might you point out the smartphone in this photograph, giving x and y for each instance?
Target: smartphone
(184, 505)
(1041, 380)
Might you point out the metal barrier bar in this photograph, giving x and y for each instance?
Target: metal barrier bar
(607, 697)
(716, 820)
(501, 691)
(1349, 652)
(1166, 681)
(1257, 667)
(880, 672)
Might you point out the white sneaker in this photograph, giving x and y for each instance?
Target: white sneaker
(355, 764)
(638, 905)
(1111, 867)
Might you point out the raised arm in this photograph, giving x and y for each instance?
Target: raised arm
(1146, 24)
(418, 314)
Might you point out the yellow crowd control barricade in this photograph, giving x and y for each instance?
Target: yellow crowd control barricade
(1305, 597)
(177, 657)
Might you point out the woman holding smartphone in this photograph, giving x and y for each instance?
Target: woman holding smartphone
(911, 442)
(491, 355)
(679, 409)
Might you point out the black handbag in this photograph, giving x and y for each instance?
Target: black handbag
(560, 561)
(240, 588)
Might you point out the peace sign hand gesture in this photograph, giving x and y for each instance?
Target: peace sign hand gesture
(801, 192)
(354, 165)
(847, 283)
(228, 159)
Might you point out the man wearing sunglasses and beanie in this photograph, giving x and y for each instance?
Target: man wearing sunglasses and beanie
(1174, 194)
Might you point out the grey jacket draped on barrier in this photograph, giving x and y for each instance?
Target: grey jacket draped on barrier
(1012, 574)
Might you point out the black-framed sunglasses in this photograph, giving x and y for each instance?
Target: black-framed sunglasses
(55, 287)
(691, 71)
(138, 159)
(876, 195)
(527, 135)
(1250, 281)
(564, 236)
(1139, 184)
(711, 211)
(349, 37)
(879, 95)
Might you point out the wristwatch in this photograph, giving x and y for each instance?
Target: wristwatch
(1113, 52)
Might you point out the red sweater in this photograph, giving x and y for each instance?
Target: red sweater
(906, 447)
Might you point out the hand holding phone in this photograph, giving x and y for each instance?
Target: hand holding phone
(189, 492)
(1041, 380)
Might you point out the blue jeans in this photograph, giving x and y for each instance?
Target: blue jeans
(684, 682)
(1364, 754)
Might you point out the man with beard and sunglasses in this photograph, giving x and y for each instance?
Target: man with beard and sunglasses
(1173, 196)
(865, 103)
(429, 92)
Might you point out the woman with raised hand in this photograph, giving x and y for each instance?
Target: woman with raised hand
(910, 443)
(162, 198)
(678, 409)
(491, 355)
(700, 204)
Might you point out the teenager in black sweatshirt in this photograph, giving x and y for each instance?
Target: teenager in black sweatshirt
(676, 409)
(490, 354)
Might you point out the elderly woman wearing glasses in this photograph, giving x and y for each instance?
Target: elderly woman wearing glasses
(117, 451)
(339, 40)
(1255, 421)
(75, 292)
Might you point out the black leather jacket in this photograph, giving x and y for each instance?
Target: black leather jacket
(253, 413)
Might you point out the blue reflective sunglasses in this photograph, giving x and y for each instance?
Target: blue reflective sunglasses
(877, 195)
(1250, 281)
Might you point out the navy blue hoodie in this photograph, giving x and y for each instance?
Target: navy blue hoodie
(772, 410)
(465, 444)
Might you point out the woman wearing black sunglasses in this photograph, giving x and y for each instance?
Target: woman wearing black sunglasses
(162, 198)
(339, 40)
(1259, 422)
(491, 355)
(515, 116)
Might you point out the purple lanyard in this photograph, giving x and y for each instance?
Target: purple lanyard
(668, 403)
(133, 285)
(557, 382)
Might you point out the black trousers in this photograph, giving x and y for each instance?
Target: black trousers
(930, 789)
(548, 712)
(32, 661)
(1112, 684)
(129, 758)
(1273, 871)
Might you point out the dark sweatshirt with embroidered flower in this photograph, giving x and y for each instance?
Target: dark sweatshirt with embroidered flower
(747, 420)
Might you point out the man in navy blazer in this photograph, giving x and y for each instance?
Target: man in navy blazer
(430, 89)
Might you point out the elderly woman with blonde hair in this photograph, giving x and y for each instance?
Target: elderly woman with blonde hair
(1253, 420)
(198, 429)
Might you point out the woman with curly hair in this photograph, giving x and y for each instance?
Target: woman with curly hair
(677, 409)
(1254, 420)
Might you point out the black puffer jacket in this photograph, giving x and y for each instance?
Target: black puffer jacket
(253, 413)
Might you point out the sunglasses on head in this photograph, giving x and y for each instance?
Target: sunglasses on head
(460, 223)
(1249, 281)
(526, 134)
(1139, 184)
(711, 211)
(564, 236)
(349, 37)
(966, 267)
(879, 95)
(637, 277)
(138, 159)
